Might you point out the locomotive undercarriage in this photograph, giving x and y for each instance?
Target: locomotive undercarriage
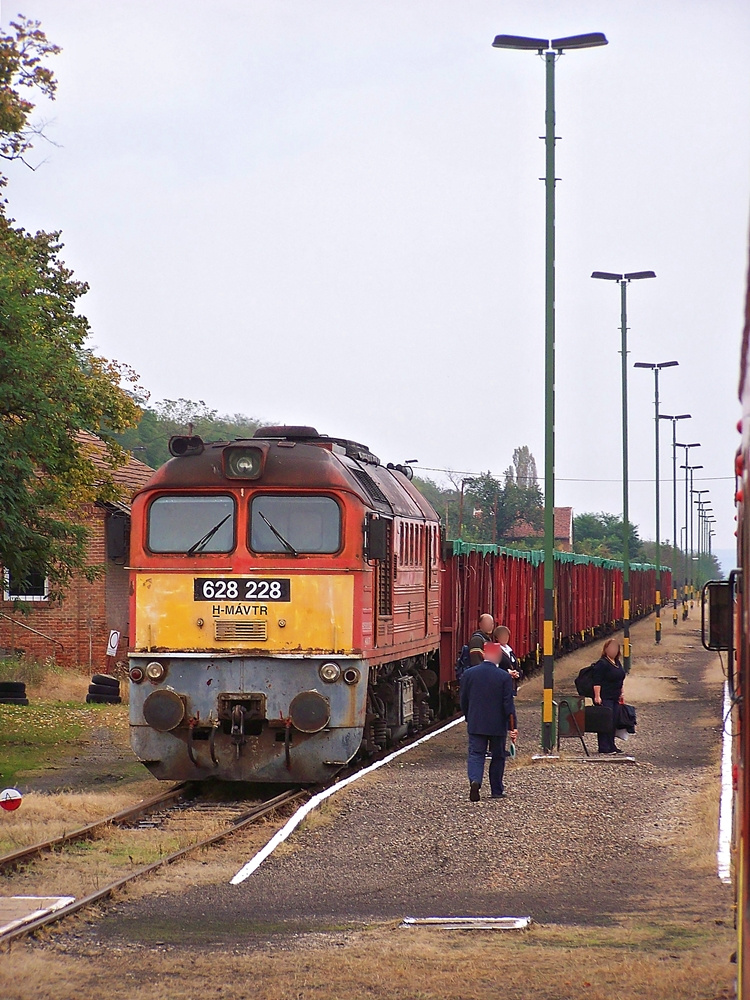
(400, 701)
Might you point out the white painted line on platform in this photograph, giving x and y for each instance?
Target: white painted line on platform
(609, 759)
(15, 911)
(469, 923)
(723, 854)
(292, 823)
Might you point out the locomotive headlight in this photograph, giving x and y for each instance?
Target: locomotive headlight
(155, 671)
(351, 675)
(243, 463)
(330, 672)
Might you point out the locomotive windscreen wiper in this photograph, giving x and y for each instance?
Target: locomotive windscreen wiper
(207, 537)
(287, 545)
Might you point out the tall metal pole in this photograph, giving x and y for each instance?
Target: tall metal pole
(548, 648)
(657, 625)
(550, 48)
(675, 543)
(625, 511)
(656, 368)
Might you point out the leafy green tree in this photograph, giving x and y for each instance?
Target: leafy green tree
(601, 535)
(52, 385)
(149, 440)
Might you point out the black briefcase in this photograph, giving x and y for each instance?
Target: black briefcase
(598, 719)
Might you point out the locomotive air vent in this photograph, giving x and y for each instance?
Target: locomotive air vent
(231, 631)
(371, 488)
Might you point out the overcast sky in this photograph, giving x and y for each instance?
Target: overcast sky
(329, 212)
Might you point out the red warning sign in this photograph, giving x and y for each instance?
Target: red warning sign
(10, 799)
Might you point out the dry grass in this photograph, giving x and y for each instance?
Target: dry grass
(42, 817)
(658, 962)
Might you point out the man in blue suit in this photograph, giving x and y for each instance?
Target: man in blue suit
(487, 702)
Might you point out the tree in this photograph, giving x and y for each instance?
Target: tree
(601, 535)
(52, 385)
(149, 440)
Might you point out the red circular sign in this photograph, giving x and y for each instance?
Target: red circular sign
(10, 799)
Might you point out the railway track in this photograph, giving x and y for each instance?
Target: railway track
(236, 817)
(184, 798)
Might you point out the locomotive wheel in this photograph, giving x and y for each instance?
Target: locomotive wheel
(103, 699)
(13, 701)
(105, 679)
(104, 689)
(15, 689)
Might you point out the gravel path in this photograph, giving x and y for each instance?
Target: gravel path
(573, 843)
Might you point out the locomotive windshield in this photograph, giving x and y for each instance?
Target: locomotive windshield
(295, 524)
(191, 524)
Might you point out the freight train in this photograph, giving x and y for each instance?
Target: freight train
(294, 603)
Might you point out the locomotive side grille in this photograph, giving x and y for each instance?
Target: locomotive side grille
(371, 488)
(385, 578)
(252, 631)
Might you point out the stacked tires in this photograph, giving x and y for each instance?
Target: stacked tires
(13, 693)
(104, 690)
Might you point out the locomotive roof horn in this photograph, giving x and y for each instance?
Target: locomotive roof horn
(183, 444)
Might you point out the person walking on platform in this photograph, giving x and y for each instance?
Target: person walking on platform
(487, 702)
(508, 660)
(482, 635)
(609, 677)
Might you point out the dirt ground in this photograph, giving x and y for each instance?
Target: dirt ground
(616, 864)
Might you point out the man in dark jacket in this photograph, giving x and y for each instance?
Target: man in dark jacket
(487, 702)
(482, 635)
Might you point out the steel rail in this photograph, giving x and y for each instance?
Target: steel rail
(85, 832)
(250, 817)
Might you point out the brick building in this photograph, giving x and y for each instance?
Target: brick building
(75, 631)
(522, 531)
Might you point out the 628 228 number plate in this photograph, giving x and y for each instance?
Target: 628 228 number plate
(220, 588)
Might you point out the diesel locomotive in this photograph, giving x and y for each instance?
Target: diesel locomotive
(285, 608)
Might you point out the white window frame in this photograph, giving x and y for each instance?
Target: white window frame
(30, 598)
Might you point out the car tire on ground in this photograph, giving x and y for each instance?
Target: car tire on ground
(104, 689)
(6, 700)
(103, 699)
(105, 679)
(14, 689)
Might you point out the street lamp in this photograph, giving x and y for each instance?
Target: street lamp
(551, 50)
(689, 469)
(687, 447)
(656, 368)
(700, 504)
(624, 280)
(675, 543)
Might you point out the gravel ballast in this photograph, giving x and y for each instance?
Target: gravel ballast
(574, 842)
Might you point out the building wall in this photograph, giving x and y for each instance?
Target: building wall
(82, 621)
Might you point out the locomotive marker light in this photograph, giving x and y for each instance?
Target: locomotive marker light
(656, 368)
(675, 542)
(551, 50)
(624, 280)
(155, 671)
(329, 672)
